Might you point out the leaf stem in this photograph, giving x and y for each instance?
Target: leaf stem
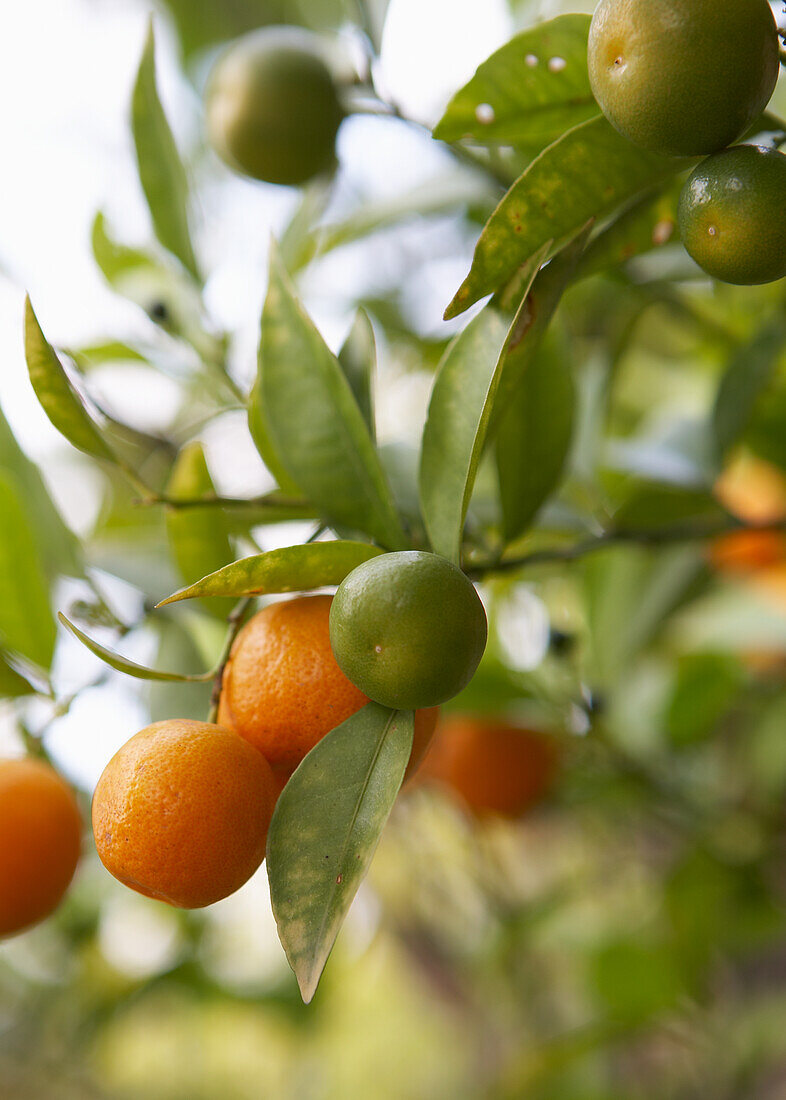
(235, 621)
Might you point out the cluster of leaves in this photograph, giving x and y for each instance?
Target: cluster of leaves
(525, 460)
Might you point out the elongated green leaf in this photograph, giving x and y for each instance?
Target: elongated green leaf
(587, 173)
(60, 552)
(541, 303)
(325, 829)
(458, 419)
(746, 377)
(57, 396)
(161, 171)
(114, 259)
(107, 351)
(257, 426)
(27, 624)
(313, 422)
(647, 224)
(358, 359)
(534, 438)
(289, 569)
(131, 668)
(198, 537)
(529, 92)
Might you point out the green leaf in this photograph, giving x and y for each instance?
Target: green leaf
(12, 685)
(524, 95)
(587, 173)
(706, 685)
(131, 668)
(257, 426)
(60, 551)
(458, 420)
(58, 398)
(746, 377)
(534, 438)
(451, 452)
(475, 385)
(358, 359)
(27, 625)
(114, 259)
(168, 294)
(198, 537)
(107, 351)
(325, 829)
(629, 592)
(634, 979)
(313, 424)
(653, 507)
(649, 223)
(541, 304)
(289, 569)
(161, 171)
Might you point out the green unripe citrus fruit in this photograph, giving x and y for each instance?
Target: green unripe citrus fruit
(408, 629)
(732, 215)
(272, 107)
(683, 77)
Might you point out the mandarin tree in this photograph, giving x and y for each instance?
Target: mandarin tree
(519, 495)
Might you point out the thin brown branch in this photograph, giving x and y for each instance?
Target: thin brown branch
(675, 533)
(235, 621)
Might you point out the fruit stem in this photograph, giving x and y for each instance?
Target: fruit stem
(235, 621)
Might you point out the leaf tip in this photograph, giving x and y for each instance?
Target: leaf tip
(461, 302)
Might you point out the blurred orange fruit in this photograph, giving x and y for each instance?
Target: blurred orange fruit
(494, 768)
(40, 837)
(754, 491)
(181, 812)
(283, 690)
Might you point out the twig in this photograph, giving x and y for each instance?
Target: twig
(678, 532)
(235, 621)
(386, 108)
(212, 500)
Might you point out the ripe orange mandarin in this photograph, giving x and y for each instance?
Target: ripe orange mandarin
(493, 767)
(283, 690)
(181, 812)
(40, 836)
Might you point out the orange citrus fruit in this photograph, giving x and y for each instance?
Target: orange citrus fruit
(181, 812)
(40, 837)
(493, 767)
(272, 107)
(732, 215)
(683, 77)
(283, 690)
(408, 629)
(754, 491)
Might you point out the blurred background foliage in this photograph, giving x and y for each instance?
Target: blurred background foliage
(626, 937)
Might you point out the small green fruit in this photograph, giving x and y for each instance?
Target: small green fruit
(272, 107)
(732, 215)
(408, 629)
